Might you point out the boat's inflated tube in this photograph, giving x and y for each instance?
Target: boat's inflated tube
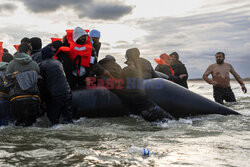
(96, 103)
(178, 101)
(161, 75)
(181, 102)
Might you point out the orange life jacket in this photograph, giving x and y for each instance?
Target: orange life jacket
(1, 51)
(162, 62)
(75, 50)
(55, 39)
(16, 47)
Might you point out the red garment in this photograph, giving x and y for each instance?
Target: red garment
(162, 62)
(165, 57)
(1, 51)
(16, 47)
(55, 39)
(84, 51)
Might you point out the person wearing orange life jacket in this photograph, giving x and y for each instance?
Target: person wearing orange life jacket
(164, 65)
(55, 39)
(79, 58)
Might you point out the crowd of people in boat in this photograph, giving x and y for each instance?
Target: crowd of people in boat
(39, 80)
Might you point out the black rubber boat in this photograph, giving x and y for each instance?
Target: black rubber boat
(178, 101)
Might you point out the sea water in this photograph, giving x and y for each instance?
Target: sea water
(211, 140)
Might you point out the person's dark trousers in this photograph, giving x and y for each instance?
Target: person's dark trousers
(138, 102)
(5, 115)
(60, 105)
(135, 100)
(25, 110)
(221, 94)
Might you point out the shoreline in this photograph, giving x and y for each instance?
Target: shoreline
(246, 81)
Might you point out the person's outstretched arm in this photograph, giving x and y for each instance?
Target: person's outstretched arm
(238, 78)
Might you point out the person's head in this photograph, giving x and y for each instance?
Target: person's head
(174, 56)
(25, 39)
(79, 36)
(36, 44)
(5, 50)
(109, 57)
(25, 48)
(56, 45)
(132, 54)
(166, 58)
(7, 57)
(47, 52)
(95, 35)
(220, 57)
(65, 41)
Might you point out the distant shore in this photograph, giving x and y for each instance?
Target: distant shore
(247, 80)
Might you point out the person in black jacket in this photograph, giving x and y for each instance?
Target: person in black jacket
(180, 72)
(36, 44)
(54, 88)
(143, 66)
(109, 64)
(135, 100)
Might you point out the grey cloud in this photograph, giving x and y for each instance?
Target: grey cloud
(111, 12)
(122, 42)
(241, 65)
(124, 45)
(84, 8)
(105, 44)
(15, 34)
(19, 32)
(7, 7)
(106, 48)
(39, 6)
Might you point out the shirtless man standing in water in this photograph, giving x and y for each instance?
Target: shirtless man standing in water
(221, 80)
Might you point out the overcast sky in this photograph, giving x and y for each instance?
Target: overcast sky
(196, 29)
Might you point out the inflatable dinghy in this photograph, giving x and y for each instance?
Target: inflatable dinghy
(178, 101)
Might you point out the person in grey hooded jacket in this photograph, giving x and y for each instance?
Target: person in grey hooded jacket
(22, 61)
(21, 78)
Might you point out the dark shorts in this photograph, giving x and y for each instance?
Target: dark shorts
(221, 94)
